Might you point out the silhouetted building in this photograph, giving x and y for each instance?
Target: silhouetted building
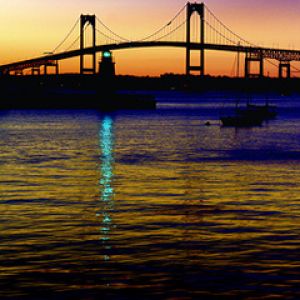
(107, 65)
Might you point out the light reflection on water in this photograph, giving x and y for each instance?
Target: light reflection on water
(106, 139)
(147, 204)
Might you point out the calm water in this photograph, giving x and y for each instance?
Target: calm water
(140, 205)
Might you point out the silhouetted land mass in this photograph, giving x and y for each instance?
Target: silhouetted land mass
(209, 83)
(76, 91)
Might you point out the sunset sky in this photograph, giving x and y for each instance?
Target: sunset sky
(28, 28)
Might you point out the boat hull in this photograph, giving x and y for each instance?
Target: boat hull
(238, 121)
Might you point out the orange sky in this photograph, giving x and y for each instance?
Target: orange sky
(28, 28)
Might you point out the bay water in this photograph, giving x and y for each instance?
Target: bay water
(150, 204)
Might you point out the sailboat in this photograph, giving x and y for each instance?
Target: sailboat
(250, 115)
(242, 118)
(266, 111)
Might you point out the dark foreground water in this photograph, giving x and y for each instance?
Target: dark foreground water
(144, 205)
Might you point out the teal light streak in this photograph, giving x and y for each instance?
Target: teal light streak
(107, 191)
(107, 159)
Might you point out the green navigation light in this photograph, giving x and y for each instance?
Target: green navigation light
(107, 54)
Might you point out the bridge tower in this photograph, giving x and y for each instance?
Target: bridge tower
(191, 9)
(284, 65)
(87, 20)
(254, 57)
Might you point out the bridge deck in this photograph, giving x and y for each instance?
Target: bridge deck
(271, 53)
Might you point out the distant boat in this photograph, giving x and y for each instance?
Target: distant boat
(241, 120)
(251, 115)
(267, 111)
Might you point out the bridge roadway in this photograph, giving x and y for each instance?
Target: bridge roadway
(271, 53)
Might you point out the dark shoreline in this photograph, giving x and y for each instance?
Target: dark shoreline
(92, 91)
(164, 82)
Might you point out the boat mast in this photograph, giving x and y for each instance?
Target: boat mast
(238, 62)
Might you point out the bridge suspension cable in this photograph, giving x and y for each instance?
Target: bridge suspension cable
(74, 42)
(222, 35)
(162, 30)
(171, 32)
(296, 70)
(67, 36)
(116, 37)
(220, 28)
(108, 39)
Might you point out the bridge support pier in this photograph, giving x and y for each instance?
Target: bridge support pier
(254, 57)
(51, 64)
(87, 20)
(35, 70)
(284, 65)
(191, 9)
(19, 72)
(5, 72)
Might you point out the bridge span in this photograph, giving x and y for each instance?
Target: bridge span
(258, 52)
(212, 35)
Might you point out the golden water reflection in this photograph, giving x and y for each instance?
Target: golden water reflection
(102, 205)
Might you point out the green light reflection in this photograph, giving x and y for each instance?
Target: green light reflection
(107, 191)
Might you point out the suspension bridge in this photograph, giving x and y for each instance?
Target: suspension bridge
(194, 28)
